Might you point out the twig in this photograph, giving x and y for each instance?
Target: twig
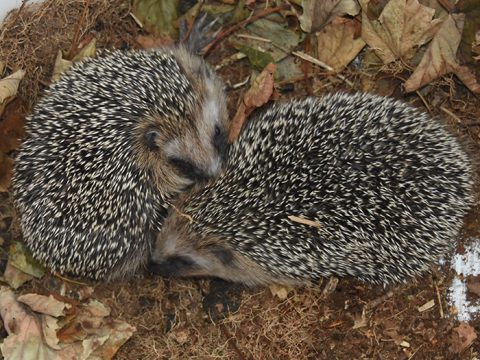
(188, 217)
(69, 280)
(424, 101)
(231, 341)
(14, 19)
(76, 33)
(439, 300)
(315, 61)
(445, 110)
(374, 303)
(226, 33)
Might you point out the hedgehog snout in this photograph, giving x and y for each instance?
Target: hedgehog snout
(189, 170)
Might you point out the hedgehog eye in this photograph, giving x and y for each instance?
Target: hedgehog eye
(150, 138)
(217, 130)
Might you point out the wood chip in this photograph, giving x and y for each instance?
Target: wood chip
(427, 306)
(304, 221)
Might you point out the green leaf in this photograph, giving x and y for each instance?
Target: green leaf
(158, 16)
(257, 58)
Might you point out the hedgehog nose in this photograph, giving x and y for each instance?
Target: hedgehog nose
(190, 171)
(172, 267)
(220, 142)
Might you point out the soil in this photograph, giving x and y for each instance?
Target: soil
(212, 319)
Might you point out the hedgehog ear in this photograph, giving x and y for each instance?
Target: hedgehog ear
(150, 138)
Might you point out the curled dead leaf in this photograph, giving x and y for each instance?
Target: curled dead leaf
(317, 14)
(440, 57)
(44, 304)
(9, 88)
(258, 94)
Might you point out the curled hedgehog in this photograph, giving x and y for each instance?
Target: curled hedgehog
(345, 185)
(108, 147)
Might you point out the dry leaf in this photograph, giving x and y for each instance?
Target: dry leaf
(402, 26)
(462, 337)
(148, 42)
(468, 78)
(360, 320)
(317, 14)
(339, 44)
(280, 291)
(120, 332)
(88, 321)
(62, 64)
(473, 284)
(259, 93)
(32, 337)
(12, 126)
(6, 168)
(439, 58)
(49, 328)
(9, 88)
(44, 304)
(86, 50)
(24, 339)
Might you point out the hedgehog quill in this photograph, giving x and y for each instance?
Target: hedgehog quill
(345, 185)
(108, 147)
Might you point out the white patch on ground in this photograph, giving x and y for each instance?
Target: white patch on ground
(466, 264)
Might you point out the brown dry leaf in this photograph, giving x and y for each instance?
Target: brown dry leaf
(9, 88)
(462, 337)
(468, 78)
(258, 94)
(49, 328)
(6, 168)
(317, 14)
(148, 42)
(32, 337)
(24, 339)
(12, 126)
(440, 57)
(402, 26)
(338, 43)
(120, 332)
(473, 285)
(90, 318)
(44, 304)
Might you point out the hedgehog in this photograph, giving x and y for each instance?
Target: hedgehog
(108, 148)
(347, 185)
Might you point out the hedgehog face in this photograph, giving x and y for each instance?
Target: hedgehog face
(187, 145)
(182, 252)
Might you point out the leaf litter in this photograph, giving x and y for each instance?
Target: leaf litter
(418, 45)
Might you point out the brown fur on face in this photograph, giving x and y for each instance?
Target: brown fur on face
(181, 149)
(180, 251)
